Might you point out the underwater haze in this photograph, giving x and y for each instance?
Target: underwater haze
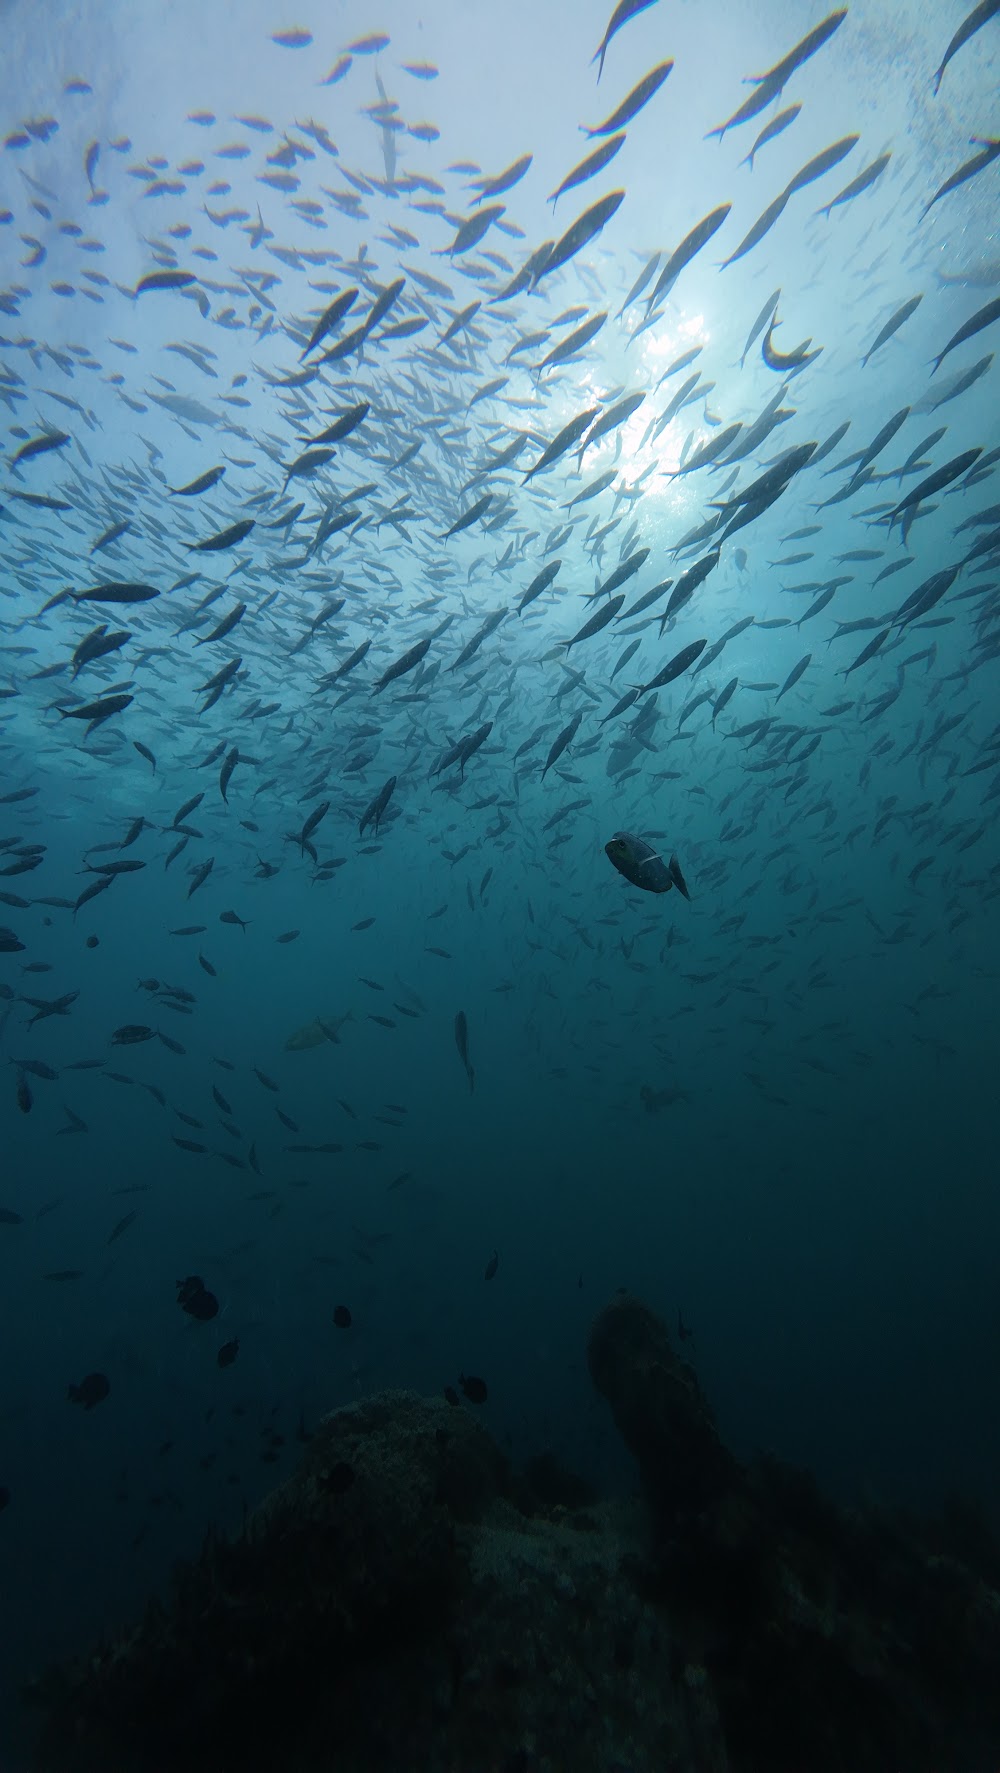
(499, 743)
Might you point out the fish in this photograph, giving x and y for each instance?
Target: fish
(311, 1034)
(771, 131)
(675, 667)
(226, 538)
(117, 592)
(462, 1043)
(989, 148)
(642, 866)
(973, 22)
(91, 1391)
(165, 280)
(634, 101)
(585, 229)
(623, 13)
(863, 182)
(892, 325)
(984, 316)
(685, 252)
(592, 164)
(203, 483)
(40, 446)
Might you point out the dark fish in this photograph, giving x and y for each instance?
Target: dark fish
(990, 149)
(122, 1226)
(562, 442)
(794, 674)
(820, 163)
(868, 652)
(776, 127)
(492, 1266)
(586, 227)
(402, 665)
(474, 1389)
(330, 318)
(892, 325)
(469, 517)
(312, 824)
(228, 1352)
(642, 865)
(224, 627)
(598, 621)
(593, 164)
(199, 878)
(983, 317)
(782, 71)
(372, 814)
(624, 11)
(342, 1317)
(227, 538)
(110, 536)
(633, 103)
(506, 180)
(977, 18)
(685, 252)
(40, 446)
(863, 182)
(346, 423)
(561, 742)
(935, 482)
(676, 667)
(98, 711)
(165, 280)
(90, 1391)
(762, 226)
(472, 230)
(202, 484)
(462, 1043)
(116, 592)
(194, 1297)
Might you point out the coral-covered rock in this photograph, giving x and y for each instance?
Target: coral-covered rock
(658, 1408)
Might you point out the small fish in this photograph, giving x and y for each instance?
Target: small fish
(122, 1226)
(91, 1391)
(462, 1043)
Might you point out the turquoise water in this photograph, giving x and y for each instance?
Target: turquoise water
(770, 1107)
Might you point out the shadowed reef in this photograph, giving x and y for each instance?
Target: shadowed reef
(406, 1601)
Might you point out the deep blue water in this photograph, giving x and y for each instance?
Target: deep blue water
(817, 1191)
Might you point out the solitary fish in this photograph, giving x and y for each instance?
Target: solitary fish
(643, 867)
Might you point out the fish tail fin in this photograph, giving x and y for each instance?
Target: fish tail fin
(677, 877)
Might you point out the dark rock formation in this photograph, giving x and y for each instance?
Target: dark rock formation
(403, 1602)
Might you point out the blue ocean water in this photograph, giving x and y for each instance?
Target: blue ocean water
(769, 1107)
